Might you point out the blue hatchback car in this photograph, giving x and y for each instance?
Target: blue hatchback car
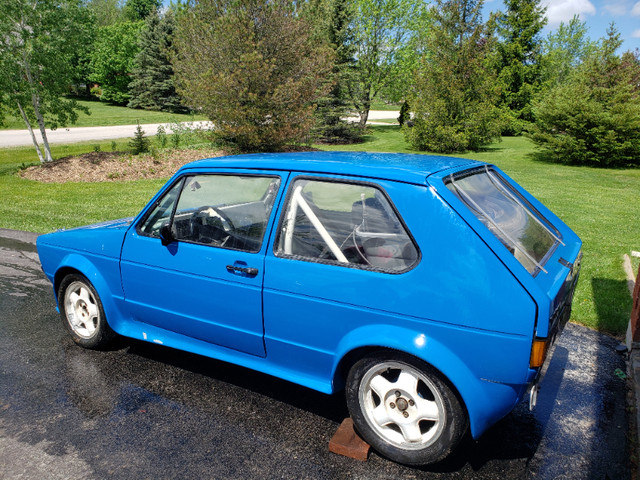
(429, 289)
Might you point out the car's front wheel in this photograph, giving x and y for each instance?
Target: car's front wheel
(82, 312)
(404, 408)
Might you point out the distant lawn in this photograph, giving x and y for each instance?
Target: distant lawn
(104, 114)
(377, 105)
(600, 205)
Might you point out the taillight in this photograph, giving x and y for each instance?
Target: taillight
(538, 353)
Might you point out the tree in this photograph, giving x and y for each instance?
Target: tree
(136, 10)
(112, 60)
(454, 101)
(139, 143)
(251, 67)
(563, 50)
(594, 117)
(152, 85)
(37, 46)
(107, 12)
(381, 33)
(331, 20)
(519, 51)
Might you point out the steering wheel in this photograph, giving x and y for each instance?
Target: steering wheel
(209, 219)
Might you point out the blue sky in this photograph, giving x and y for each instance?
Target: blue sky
(597, 14)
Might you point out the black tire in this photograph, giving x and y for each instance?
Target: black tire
(82, 313)
(393, 421)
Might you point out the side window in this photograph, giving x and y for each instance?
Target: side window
(229, 211)
(344, 223)
(161, 214)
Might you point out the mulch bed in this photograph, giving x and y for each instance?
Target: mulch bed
(114, 166)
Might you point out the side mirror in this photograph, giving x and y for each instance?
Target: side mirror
(166, 236)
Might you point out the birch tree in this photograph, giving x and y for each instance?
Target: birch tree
(37, 42)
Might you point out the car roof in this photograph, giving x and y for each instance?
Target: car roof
(411, 168)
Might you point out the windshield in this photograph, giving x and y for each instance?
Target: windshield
(511, 218)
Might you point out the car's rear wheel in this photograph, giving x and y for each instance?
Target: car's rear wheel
(82, 313)
(404, 408)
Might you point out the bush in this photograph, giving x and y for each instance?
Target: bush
(252, 68)
(594, 118)
(161, 136)
(405, 115)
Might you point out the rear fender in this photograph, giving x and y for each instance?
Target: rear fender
(485, 402)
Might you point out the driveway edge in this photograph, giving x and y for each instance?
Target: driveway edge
(21, 236)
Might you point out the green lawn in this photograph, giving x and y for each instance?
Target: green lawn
(104, 114)
(378, 105)
(600, 205)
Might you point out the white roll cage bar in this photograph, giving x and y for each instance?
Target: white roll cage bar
(297, 200)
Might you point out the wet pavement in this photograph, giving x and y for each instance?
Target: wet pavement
(144, 411)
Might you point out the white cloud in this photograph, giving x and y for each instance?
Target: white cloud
(635, 10)
(616, 9)
(636, 33)
(564, 10)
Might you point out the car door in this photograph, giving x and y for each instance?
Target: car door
(194, 262)
(342, 257)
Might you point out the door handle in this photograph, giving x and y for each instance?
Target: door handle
(249, 271)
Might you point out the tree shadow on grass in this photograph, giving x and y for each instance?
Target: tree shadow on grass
(613, 304)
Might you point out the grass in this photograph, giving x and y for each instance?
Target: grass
(39, 207)
(387, 107)
(600, 205)
(104, 114)
(390, 121)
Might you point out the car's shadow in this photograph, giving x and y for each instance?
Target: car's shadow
(96, 384)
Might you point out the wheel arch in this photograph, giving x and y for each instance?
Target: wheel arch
(60, 274)
(81, 265)
(482, 401)
(436, 356)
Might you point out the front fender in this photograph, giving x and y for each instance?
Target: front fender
(486, 401)
(103, 273)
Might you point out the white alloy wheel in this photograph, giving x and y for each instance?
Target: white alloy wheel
(82, 310)
(402, 405)
(404, 408)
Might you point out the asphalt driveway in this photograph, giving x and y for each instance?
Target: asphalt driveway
(145, 411)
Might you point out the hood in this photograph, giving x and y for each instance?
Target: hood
(103, 238)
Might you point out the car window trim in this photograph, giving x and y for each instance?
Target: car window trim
(147, 215)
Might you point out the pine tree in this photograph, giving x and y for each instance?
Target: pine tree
(152, 86)
(139, 143)
(331, 19)
(594, 117)
(519, 52)
(454, 101)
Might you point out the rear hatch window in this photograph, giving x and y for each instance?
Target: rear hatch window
(507, 214)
